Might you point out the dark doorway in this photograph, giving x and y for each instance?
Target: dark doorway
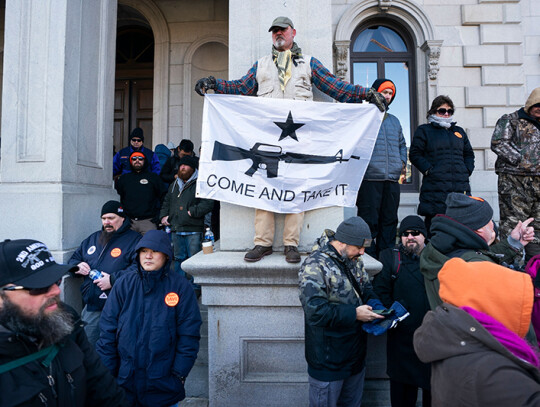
(133, 94)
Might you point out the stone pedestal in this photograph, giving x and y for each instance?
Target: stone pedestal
(255, 329)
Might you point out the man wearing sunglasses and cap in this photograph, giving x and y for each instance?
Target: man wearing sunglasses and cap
(45, 357)
(401, 280)
(121, 162)
(286, 73)
(337, 298)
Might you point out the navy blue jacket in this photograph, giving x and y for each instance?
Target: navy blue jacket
(150, 330)
(121, 164)
(389, 153)
(114, 258)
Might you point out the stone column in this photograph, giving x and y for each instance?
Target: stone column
(57, 120)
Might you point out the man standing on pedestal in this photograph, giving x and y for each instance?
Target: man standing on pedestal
(286, 74)
(516, 141)
(337, 298)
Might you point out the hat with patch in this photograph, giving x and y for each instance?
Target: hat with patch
(354, 231)
(470, 211)
(29, 263)
(113, 207)
(282, 22)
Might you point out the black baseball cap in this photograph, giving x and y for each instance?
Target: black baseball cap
(29, 263)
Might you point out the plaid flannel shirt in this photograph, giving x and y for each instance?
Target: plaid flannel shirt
(321, 77)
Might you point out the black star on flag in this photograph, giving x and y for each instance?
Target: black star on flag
(289, 128)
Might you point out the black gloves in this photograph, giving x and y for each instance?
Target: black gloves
(377, 99)
(203, 84)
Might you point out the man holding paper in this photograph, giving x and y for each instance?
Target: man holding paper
(285, 74)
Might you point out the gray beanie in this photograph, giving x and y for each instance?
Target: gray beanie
(470, 211)
(354, 231)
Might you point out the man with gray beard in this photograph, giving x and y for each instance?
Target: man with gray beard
(401, 280)
(45, 357)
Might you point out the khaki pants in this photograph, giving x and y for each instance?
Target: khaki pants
(265, 228)
(142, 226)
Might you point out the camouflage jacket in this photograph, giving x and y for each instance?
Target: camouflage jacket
(335, 342)
(516, 141)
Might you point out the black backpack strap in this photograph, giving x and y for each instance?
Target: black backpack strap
(397, 263)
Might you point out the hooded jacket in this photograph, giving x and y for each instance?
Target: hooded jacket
(470, 366)
(79, 376)
(163, 153)
(117, 256)
(178, 202)
(170, 168)
(516, 141)
(150, 330)
(446, 158)
(335, 342)
(453, 239)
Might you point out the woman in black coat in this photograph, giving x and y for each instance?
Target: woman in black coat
(443, 154)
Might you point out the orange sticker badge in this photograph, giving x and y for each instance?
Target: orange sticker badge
(458, 134)
(171, 299)
(116, 252)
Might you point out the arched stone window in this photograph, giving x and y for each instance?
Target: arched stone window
(382, 48)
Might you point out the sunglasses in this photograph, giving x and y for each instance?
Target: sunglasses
(443, 111)
(136, 140)
(137, 159)
(32, 291)
(410, 232)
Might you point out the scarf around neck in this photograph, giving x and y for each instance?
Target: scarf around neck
(445, 122)
(283, 61)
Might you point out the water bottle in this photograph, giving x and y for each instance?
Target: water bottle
(95, 274)
(209, 235)
(168, 230)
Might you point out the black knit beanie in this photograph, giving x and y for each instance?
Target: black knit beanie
(193, 162)
(470, 211)
(413, 222)
(353, 231)
(113, 207)
(137, 132)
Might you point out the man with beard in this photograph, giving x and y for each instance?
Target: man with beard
(184, 212)
(110, 251)
(150, 328)
(286, 73)
(121, 163)
(337, 298)
(140, 194)
(400, 280)
(45, 357)
(169, 172)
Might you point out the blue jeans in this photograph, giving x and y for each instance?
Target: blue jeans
(340, 393)
(185, 246)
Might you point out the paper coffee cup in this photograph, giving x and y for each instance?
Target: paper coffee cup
(207, 247)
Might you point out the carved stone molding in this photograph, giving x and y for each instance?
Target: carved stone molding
(341, 54)
(433, 50)
(384, 5)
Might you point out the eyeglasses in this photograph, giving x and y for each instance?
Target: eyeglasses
(136, 140)
(32, 291)
(410, 232)
(443, 111)
(137, 159)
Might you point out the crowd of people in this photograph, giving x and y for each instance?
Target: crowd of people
(451, 297)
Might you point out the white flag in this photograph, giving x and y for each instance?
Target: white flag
(283, 155)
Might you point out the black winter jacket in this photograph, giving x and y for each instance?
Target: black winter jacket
(177, 204)
(141, 194)
(446, 158)
(80, 379)
(117, 256)
(400, 280)
(170, 168)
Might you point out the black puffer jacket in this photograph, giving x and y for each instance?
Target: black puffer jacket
(446, 158)
(80, 379)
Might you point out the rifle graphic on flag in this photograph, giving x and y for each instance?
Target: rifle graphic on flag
(268, 156)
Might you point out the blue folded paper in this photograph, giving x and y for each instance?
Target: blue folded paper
(380, 326)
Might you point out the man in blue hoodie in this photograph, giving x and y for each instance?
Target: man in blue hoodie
(150, 327)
